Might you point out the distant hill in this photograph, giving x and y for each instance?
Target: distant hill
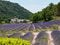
(10, 10)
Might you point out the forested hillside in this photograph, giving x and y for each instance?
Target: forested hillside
(10, 10)
(51, 12)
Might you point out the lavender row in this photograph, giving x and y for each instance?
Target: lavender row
(32, 26)
(56, 37)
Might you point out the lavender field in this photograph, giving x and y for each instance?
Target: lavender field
(29, 22)
(51, 25)
(45, 33)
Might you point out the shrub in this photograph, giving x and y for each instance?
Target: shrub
(13, 41)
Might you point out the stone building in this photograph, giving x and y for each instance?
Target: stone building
(16, 20)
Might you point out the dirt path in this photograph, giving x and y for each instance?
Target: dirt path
(35, 35)
(50, 40)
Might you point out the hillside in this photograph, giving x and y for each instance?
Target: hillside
(49, 13)
(10, 10)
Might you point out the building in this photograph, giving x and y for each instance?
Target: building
(16, 20)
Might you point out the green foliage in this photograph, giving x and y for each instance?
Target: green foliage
(13, 41)
(47, 14)
(9, 10)
(58, 9)
(44, 15)
(36, 17)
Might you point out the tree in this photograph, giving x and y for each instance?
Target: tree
(33, 18)
(58, 9)
(51, 6)
(44, 15)
(47, 14)
(36, 17)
